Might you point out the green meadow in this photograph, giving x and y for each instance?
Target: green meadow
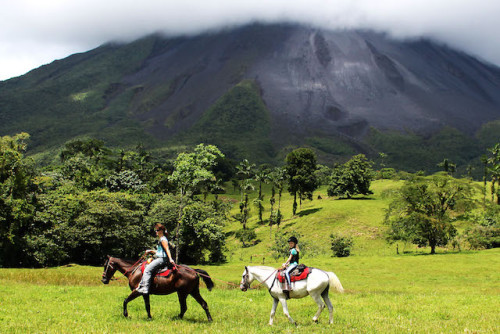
(385, 292)
(445, 293)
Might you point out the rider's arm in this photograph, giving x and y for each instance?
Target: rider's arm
(165, 246)
(287, 261)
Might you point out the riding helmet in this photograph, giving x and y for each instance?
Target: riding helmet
(294, 240)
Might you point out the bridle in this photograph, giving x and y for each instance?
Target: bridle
(107, 266)
(132, 269)
(245, 285)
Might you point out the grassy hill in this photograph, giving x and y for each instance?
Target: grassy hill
(360, 218)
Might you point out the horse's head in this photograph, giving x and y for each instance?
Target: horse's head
(246, 280)
(109, 270)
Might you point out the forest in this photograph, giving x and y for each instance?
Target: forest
(99, 200)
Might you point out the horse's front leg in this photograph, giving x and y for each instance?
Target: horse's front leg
(273, 310)
(285, 310)
(146, 303)
(130, 297)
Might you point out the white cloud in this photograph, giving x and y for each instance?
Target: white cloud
(34, 32)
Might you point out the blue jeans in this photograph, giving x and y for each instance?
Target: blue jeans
(149, 272)
(288, 270)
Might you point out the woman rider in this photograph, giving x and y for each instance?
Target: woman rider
(163, 258)
(293, 260)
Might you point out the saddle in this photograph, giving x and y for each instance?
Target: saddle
(164, 272)
(299, 273)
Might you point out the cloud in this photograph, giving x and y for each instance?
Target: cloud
(34, 32)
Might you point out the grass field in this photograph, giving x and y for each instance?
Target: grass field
(445, 293)
(450, 292)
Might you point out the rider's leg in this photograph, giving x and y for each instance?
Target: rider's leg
(148, 275)
(287, 275)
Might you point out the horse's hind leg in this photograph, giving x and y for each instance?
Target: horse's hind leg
(130, 297)
(182, 301)
(196, 295)
(321, 305)
(328, 304)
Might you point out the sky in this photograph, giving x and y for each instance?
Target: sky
(37, 32)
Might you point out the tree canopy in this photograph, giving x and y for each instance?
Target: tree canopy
(300, 168)
(352, 178)
(422, 210)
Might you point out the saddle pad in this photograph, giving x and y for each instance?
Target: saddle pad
(302, 276)
(164, 272)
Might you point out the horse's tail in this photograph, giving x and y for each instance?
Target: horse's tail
(334, 281)
(206, 278)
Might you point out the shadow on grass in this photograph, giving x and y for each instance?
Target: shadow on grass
(307, 212)
(364, 198)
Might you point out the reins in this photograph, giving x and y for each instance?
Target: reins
(260, 283)
(213, 278)
(134, 267)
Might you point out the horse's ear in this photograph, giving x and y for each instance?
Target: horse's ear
(246, 268)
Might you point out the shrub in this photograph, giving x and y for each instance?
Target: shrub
(486, 232)
(247, 237)
(341, 245)
(386, 173)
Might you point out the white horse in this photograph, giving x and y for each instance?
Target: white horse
(317, 285)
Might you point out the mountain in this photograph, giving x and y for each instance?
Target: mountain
(259, 90)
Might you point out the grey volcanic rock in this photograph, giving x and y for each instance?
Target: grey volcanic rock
(331, 82)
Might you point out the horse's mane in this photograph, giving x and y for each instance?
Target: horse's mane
(264, 268)
(126, 260)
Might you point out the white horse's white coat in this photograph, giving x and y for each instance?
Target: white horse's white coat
(316, 285)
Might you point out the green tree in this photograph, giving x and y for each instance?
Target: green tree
(245, 171)
(261, 176)
(323, 174)
(352, 178)
(300, 168)
(202, 234)
(126, 180)
(448, 166)
(190, 170)
(494, 170)
(485, 231)
(17, 199)
(277, 179)
(421, 212)
(90, 147)
(84, 227)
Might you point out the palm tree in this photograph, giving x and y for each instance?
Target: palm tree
(262, 176)
(494, 171)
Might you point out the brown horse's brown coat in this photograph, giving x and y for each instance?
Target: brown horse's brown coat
(185, 281)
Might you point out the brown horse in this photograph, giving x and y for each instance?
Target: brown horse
(185, 281)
